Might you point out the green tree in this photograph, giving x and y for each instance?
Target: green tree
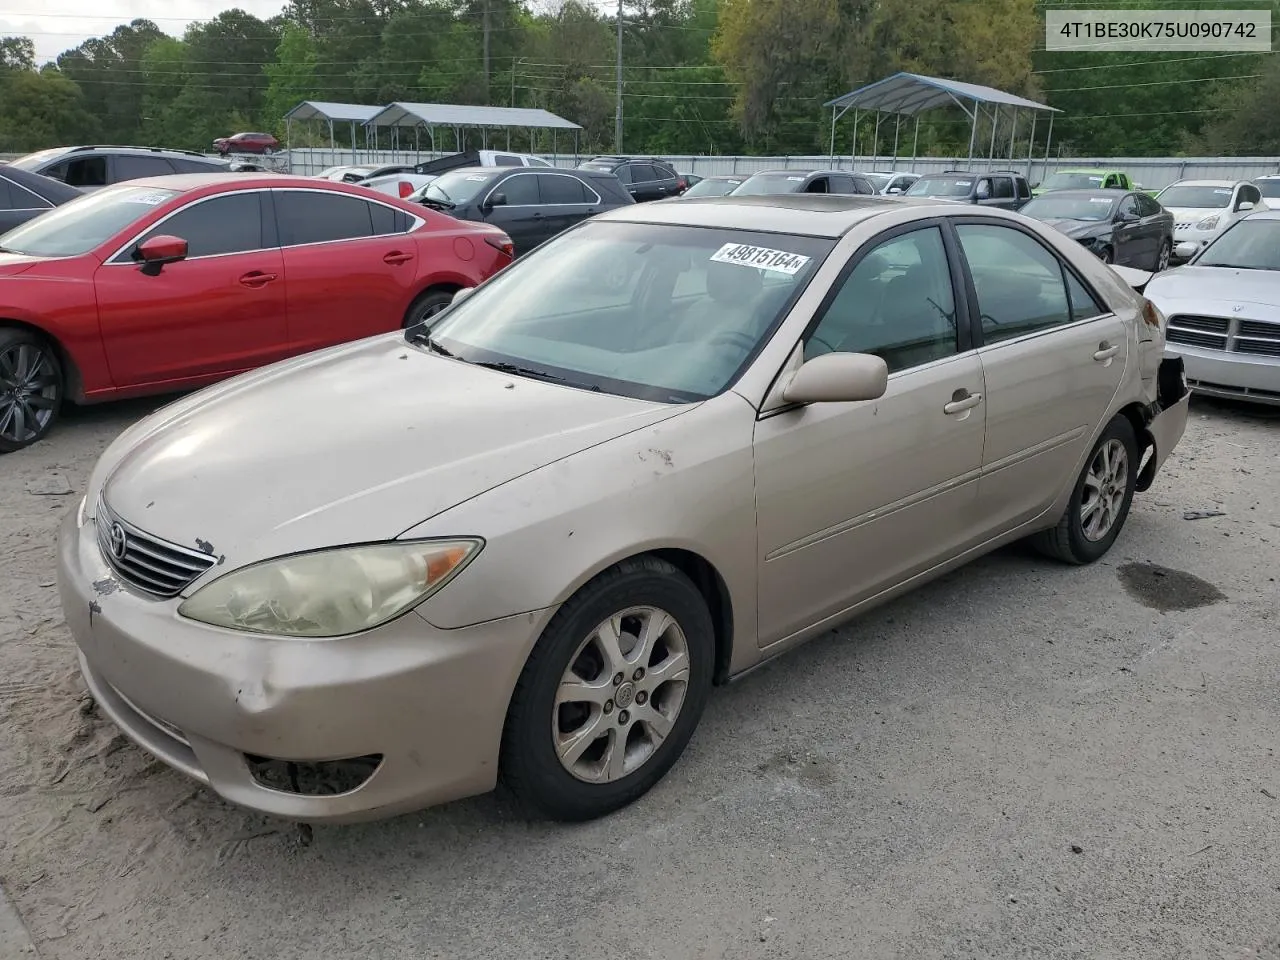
(39, 109)
(291, 78)
(108, 71)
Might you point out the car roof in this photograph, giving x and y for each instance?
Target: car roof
(147, 151)
(828, 215)
(1101, 170)
(186, 182)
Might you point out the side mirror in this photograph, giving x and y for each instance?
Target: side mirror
(156, 251)
(1185, 250)
(498, 199)
(893, 191)
(1244, 205)
(1127, 217)
(838, 378)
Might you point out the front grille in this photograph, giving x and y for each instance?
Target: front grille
(1195, 339)
(148, 564)
(1259, 328)
(1266, 348)
(1192, 322)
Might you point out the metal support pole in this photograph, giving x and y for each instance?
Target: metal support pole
(1031, 144)
(973, 135)
(995, 122)
(617, 115)
(853, 151)
(1013, 133)
(1047, 143)
(897, 123)
(831, 154)
(915, 144)
(875, 142)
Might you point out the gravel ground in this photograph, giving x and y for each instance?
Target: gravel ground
(1020, 760)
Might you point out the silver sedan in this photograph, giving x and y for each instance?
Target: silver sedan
(525, 541)
(1224, 311)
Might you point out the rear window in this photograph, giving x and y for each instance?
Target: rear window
(767, 184)
(85, 223)
(944, 187)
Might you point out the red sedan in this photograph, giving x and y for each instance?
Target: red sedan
(247, 143)
(172, 283)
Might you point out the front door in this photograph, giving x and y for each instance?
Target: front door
(1052, 358)
(520, 215)
(1131, 235)
(219, 311)
(855, 497)
(351, 269)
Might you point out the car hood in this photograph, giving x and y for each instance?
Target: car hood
(1206, 284)
(352, 444)
(13, 264)
(1194, 215)
(1080, 228)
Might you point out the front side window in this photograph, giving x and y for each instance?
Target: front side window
(1018, 282)
(1003, 188)
(86, 172)
(656, 312)
(315, 217)
(520, 190)
(229, 224)
(130, 167)
(896, 303)
(1249, 194)
(85, 223)
(1129, 207)
(817, 185)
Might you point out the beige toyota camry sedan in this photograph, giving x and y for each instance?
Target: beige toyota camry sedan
(524, 543)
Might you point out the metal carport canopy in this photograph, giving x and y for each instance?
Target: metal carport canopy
(457, 116)
(910, 94)
(335, 112)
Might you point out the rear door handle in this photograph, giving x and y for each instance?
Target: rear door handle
(961, 401)
(1105, 352)
(256, 278)
(395, 258)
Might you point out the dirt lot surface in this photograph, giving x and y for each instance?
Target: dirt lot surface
(1021, 760)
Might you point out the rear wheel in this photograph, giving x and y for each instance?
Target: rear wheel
(611, 694)
(427, 306)
(1100, 501)
(31, 388)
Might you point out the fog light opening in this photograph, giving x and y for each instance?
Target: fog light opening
(323, 778)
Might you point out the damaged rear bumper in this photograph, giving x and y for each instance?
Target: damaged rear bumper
(1168, 418)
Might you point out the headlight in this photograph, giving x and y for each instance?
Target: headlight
(1208, 223)
(330, 593)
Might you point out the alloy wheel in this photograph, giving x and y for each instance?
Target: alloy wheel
(620, 695)
(28, 391)
(1162, 263)
(1105, 486)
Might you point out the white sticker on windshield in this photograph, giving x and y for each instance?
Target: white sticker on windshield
(1095, 179)
(964, 183)
(764, 258)
(150, 199)
(794, 179)
(477, 177)
(1227, 192)
(1107, 200)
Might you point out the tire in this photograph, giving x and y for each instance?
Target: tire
(32, 388)
(1163, 256)
(1077, 538)
(553, 773)
(427, 305)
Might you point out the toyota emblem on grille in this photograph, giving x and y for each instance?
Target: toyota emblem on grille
(119, 541)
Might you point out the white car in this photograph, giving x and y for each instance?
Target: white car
(406, 184)
(891, 182)
(1202, 209)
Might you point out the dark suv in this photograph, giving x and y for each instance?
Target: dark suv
(994, 188)
(645, 178)
(91, 167)
(530, 204)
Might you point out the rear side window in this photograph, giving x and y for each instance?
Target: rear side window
(385, 220)
(195, 166)
(226, 224)
(1084, 304)
(130, 167)
(506, 160)
(306, 217)
(558, 188)
(80, 172)
(8, 200)
(642, 173)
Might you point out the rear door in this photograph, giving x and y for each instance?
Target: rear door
(1052, 357)
(1132, 235)
(350, 266)
(644, 182)
(566, 200)
(1002, 193)
(219, 311)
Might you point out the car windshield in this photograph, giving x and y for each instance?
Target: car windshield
(941, 187)
(711, 188)
(38, 159)
(1249, 245)
(457, 186)
(656, 312)
(83, 224)
(1058, 207)
(1067, 180)
(1269, 188)
(1206, 197)
(767, 184)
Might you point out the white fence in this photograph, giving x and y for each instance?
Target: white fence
(1153, 172)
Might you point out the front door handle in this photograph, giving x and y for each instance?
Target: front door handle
(395, 258)
(961, 401)
(256, 278)
(1105, 352)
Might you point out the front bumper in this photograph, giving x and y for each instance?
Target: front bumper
(1231, 375)
(1190, 235)
(430, 702)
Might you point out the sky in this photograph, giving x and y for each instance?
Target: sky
(58, 25)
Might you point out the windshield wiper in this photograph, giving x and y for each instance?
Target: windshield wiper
(503, 367)
(423, 335)
(1230, 266)
(430, 201)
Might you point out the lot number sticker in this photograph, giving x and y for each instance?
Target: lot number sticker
(764, 258)
(150, 199)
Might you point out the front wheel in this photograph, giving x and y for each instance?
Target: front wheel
(31, 389)
(1162, 258)
(427, 306)
(1100, 501)
(611, 694)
